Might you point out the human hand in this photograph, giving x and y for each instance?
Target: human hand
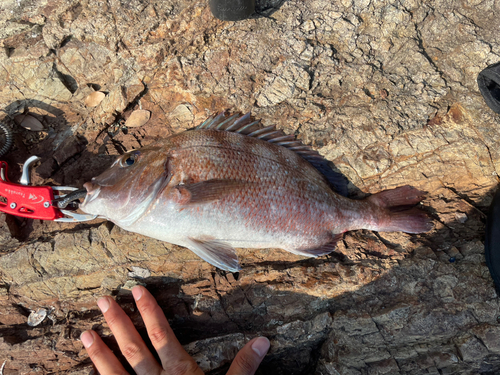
(174, 359)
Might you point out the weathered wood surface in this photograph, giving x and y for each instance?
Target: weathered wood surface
(385, 90)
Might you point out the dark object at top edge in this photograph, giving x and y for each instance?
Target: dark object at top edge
(488, 81)
(232, 10)
(492, 240)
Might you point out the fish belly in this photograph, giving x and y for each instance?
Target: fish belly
(226, 221)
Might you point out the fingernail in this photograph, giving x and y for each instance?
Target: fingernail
(261, 346)
(87, 339)
(103, 304)
(137, 292)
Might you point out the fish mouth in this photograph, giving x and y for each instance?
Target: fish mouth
(90, 186)
(93, 191)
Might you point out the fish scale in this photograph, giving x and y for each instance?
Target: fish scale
(212, 190)
(275, 188)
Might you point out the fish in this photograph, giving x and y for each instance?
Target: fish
(232, 183)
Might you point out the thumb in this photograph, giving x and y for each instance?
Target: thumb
(249, 357)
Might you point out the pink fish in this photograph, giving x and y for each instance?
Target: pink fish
(230, 183)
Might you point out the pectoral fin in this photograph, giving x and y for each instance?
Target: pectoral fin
(209, 191)
(217, 253)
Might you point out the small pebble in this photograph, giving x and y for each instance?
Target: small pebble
(29, 122)
(36, 317)
(94, 99)
(138, 118)
(139, 273)
(461, 217)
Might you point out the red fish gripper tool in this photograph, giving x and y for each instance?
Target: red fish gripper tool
(34, 202)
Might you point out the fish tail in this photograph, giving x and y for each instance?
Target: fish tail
(399, 211)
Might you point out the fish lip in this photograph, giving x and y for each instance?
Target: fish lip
(93, 191)
(91, 187)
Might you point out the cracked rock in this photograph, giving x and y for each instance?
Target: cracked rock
(386, 91)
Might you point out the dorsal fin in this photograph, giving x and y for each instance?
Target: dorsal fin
(244, 125)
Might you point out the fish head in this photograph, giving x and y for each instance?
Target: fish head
(125, 191)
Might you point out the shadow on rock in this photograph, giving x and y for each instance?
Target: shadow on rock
(425, 313)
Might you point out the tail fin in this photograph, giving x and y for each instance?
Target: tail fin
(402, 216)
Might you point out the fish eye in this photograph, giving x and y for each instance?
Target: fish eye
(128, 160)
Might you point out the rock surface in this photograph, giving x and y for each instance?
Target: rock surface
(385, 90)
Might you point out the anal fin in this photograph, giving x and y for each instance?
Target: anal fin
(215, 252)
(319, 251)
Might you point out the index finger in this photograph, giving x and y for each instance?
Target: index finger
(173, 357)
(130, 342)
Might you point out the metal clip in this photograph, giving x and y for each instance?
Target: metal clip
(73, 217)
(25, 177)
(34, 202)
(70, 216)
